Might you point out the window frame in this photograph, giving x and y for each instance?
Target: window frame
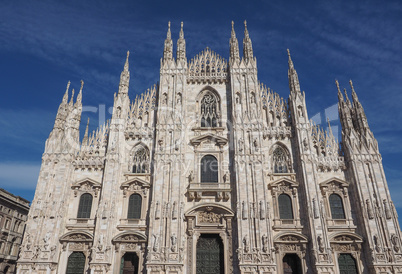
(289, 203)
(212, 112)
(213, 174)
(80, 211)
(333, 207)
(132, 210)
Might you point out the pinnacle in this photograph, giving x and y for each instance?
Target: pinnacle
(126, 63)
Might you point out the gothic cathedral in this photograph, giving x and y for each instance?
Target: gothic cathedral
(211, 172)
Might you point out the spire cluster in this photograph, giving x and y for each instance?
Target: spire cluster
(168, 47)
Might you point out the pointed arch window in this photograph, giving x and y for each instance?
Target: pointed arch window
(336, 205)
(134, 207)
(280, 161)
(85, 206)
(141, 160)
(209, 169)
(209, 110)
(285, 207)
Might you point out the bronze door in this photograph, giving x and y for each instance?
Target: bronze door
(209, 254)
(291, 264)
(129, 264)
(76, 263)
(347, 264)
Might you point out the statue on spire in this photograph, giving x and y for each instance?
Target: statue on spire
(234, 46)
(181, 46)
(168, 49)
(247, 45)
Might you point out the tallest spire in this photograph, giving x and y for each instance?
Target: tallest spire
(181, 46)
(234, 47)
(294, 84)
(247, 45)
(168, 49)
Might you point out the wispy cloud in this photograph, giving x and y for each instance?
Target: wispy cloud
(16, 175)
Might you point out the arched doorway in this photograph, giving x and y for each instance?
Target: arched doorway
(347, 264)
(210, 254)
(129, 263)
(291, 264)
(76, 263)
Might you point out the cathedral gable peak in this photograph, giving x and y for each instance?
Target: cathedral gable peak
(86, 183)
(210, 138)
(207, 67)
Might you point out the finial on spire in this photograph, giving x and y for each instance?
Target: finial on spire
(233, 33)
(169, 34)
(351, 86)
(290, 62)
(126, 64)
(337, 85)
(181, 45)
(181, 30)
(82, 85)
(65, 97)
(340, 96)
(72, 97)
(245, 29)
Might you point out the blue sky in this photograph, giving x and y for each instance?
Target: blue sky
(44, 44)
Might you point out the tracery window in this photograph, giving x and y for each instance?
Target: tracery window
(280, 160)
(134, 207)
(141, 161)
(285, 207)
(84, 208)
(209, 169)
(209, 110)
(336, 205)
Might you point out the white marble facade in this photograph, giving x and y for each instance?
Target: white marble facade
(211, 153)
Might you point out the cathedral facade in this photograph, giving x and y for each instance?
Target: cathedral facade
(211, 172)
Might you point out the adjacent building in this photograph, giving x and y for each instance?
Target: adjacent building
(13, 215)
(211, 172)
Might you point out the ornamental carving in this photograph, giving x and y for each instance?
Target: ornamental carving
(209, 217)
